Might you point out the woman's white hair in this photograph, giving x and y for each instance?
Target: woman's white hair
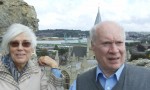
(13, 31)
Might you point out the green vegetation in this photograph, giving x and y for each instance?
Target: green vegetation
(61, 51)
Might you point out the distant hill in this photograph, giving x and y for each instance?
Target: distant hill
(64, 33)
(61, 33)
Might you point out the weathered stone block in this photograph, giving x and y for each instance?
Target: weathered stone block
(17, 11)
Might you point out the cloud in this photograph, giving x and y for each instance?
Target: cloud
(134, 15)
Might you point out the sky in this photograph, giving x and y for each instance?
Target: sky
(133, 15)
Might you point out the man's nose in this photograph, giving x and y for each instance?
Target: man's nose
(113, 48)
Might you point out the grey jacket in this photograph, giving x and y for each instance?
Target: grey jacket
(132, 78)
(32, 79)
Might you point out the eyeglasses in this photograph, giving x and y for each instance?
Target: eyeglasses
(16, 43)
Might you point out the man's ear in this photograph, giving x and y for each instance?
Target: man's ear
(92, 45)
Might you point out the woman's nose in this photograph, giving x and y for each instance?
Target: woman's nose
(20, 46)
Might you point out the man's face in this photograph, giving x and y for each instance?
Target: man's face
(109, 47)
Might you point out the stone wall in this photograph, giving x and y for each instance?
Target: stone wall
(17, 11)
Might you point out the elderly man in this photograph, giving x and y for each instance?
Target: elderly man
(111, 73)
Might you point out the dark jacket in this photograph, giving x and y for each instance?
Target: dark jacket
(132, 78)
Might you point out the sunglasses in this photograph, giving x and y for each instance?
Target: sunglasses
(17, 43)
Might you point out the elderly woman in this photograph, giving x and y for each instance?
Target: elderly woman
(17, 70)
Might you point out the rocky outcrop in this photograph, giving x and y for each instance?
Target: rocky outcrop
(141, 62)
(17, 11)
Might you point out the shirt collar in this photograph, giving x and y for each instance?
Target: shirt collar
(117, 73)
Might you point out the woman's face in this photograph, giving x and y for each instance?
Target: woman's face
(20, 49)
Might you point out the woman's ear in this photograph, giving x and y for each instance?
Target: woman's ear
(33, 51)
